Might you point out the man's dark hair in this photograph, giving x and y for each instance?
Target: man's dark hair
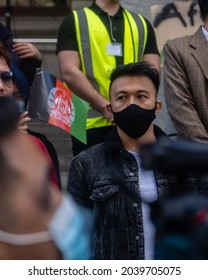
(203, 5)
(9, 116)
(141, 68)
(4, 54)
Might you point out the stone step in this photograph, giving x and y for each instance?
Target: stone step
(59, 138)
(64, 179)
(64, 162)
(48, 130)
(62, 145)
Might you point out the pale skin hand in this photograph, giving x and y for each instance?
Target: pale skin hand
(26, 50)
(69, 64)
(23, 122)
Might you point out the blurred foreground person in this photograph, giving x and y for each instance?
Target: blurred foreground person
(25, 59)
(7, 85)
(33, 220)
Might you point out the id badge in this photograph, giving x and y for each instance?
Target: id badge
(114, 49)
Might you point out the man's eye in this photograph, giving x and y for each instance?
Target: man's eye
(121, 97)
(141, 97)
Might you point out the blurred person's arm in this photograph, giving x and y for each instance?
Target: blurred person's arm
(69, 64)
(178, 96)
(41, 145)
(24, 119)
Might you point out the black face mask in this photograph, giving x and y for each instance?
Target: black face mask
(134, 120)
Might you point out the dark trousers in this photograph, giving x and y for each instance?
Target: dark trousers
(94, 137)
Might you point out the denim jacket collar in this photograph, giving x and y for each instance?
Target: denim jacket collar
(113, 144)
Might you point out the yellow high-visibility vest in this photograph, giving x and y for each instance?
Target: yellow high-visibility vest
(92, 38)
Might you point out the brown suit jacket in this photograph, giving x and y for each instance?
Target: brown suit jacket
(186, 85)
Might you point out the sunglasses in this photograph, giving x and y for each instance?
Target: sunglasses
(7, 78)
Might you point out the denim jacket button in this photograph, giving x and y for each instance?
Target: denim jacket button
(131, 174)
(137, 237)
(135, 205)
(101, 194)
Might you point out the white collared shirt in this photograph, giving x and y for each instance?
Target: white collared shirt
(205, 33)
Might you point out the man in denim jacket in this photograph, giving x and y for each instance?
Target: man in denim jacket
(108, 177)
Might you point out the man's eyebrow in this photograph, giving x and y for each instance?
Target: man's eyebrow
(143, 90)
(120, 91)
(126, 92)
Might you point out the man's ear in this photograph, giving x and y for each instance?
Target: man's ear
(109, 109)
(158, 106)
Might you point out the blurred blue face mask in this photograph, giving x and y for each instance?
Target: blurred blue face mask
(67, 229)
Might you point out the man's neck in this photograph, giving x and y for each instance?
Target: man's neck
(134, 145)
(108, 6)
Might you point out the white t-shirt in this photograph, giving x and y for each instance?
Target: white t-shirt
(148, 192)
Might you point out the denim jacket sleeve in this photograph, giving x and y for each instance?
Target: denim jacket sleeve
(77, 184)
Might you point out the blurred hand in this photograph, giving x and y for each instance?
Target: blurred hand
(26, 50)
(23, 122)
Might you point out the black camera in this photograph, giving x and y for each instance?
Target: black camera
(181, 221)
(175, 156)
